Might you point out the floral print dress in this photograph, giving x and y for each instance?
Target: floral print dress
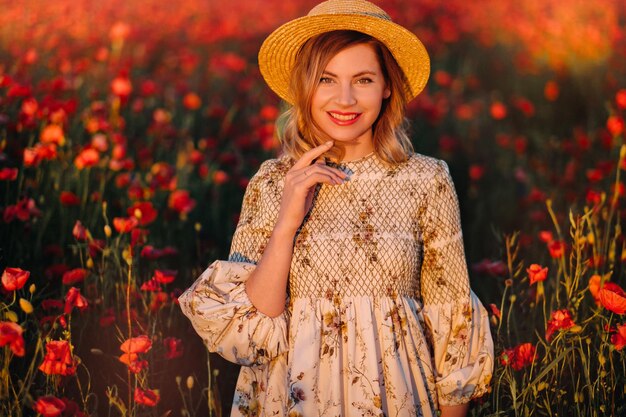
(380, 319)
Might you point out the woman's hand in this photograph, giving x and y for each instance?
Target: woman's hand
(300, 183)
(272, 271)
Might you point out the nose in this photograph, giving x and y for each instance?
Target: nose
(345, 95)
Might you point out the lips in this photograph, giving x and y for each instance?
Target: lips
(343, 119)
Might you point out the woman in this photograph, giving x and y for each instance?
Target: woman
(346, 289)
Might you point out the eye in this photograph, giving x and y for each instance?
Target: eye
(364, 80)
(326, 80)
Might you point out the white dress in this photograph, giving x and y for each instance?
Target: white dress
(381, 320)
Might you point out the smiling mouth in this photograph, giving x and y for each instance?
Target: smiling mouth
(344, 117)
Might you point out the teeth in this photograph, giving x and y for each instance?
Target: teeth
(343, 117)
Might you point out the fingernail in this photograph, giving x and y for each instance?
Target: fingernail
(330, 142)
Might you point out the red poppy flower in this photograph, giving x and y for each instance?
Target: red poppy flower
(74, 276)
(128, 358)
(159, 299)
(594, 286)
(615, 125)
(507, 357)
(132, 361)
(68, 198)
(495, 310)
(79, 231)
(52, 134)
(11, 334)
(491, 267)
(58, 359)
(107, 318)
(8, 174)
(121, 87)
(220, 177)
(148, 397)
(49, 406)
(620, 98)
(125, 224)
(150, 252)
(144, 212)
(138, 237)
(556, 248)
(138, 366)
(498, 110)
(551, 91)
(613, 298)
(525, 354)
(22, 211)
(536, 273)
(192, 101)
(164, 276)
(181, 202)
(87, 158)
(525, 106)
(173, 346)
(14, 278)
(71, 409)
(73, 298)
(96, 246)
(619, 338)
(476, 172)
(559, 320)
(139, 344)
(151, 285)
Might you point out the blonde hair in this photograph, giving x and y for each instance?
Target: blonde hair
(298, 132)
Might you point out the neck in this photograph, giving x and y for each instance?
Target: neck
(357, 149)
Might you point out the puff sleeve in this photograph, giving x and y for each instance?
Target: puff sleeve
(217, 304)
(455, 318)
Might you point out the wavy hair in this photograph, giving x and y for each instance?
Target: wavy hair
(298, 132)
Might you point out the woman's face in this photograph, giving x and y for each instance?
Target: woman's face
(349, 96)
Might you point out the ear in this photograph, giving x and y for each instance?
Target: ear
(387, 93)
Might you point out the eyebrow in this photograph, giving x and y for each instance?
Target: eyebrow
(367, 72)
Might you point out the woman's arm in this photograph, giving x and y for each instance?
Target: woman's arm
(454, 410)
(267, 285)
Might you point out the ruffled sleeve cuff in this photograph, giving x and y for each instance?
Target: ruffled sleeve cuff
(463, 350)
(221, 313)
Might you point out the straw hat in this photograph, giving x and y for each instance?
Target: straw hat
(278, 53)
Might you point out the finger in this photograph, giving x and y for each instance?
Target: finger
(310, 155)
(334, 170)
(320, 167)
(310, 180)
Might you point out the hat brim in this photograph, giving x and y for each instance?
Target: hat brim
(278, 53)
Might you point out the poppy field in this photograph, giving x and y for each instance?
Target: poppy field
(130, 129)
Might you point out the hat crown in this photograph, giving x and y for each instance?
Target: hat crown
(357, 7)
